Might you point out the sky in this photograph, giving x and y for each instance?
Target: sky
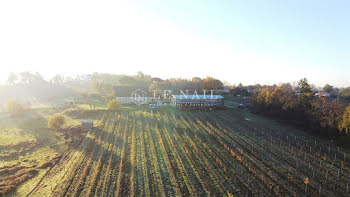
(250, 42)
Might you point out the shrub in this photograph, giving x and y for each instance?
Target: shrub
(113, 104)
(15, 107)
(56, 121)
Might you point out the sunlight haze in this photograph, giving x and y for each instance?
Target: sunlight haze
(230, 40)
(119, 98)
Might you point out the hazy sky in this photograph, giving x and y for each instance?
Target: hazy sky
(237, 41)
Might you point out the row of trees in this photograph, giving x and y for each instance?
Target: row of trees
(35, 77)
(195, 84)
(334, 92)
(24, 78)
(319, 114)
(104, 83)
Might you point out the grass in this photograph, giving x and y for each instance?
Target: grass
(28, 144)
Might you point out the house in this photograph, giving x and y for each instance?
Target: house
(322, 94)
(197, 101)
(130, 99)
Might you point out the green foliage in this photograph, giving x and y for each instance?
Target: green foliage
(114, 105)
(344, 125)
(304, 86)
(15, 107)
(56, 121)
(305, 94)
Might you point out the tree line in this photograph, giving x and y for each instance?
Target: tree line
(330, 116)
(104, 83)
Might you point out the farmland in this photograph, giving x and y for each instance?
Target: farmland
(138, 152)
(27, 149)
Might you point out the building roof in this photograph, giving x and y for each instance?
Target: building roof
(199, 96)
(222, 90)
(322, 94)
(87, 121)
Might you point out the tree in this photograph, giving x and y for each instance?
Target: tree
(319, 114)
(15, 107)
(264, 97)
(305, 97)
(304, 86)
(102, 88)
(56, 121)
(37, 77)
(327, 114)
(196, 79)
(12, 78)
(328, 88)
(344, 124)
(140, 74)
(210, 83)
(113, 105)
(239, 91)
(344, 92)
(156, 79)
(28, 77)
(127, 80)
(57, 79)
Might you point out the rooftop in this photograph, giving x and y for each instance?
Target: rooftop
(87, 121)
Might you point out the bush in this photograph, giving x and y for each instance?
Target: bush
(114, 105)
(56, 121)
(15, 107)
